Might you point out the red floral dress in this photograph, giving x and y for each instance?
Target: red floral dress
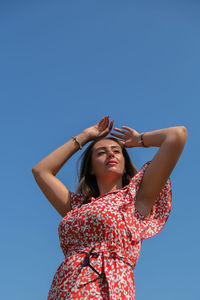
(101, 241)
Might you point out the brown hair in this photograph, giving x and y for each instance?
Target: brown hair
(87, 185)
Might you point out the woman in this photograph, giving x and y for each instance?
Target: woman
(117, 208)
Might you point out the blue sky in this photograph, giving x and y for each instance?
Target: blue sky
(65, 65)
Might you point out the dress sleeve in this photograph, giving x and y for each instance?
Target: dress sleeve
(76, 200)
(149, 226)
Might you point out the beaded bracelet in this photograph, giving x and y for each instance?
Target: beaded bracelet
(141, 140)
(75, 139)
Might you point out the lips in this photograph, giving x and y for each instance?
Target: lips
(111, 163)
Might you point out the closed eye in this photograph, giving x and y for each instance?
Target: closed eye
(99, 153)
(103, 152)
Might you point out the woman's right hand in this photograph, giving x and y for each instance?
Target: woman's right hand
(101, 129)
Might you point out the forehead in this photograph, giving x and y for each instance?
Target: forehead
(107, 144)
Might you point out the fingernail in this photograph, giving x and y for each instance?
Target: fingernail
(111, 126)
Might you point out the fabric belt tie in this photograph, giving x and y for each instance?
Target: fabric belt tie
(95, 252)
(86, 262)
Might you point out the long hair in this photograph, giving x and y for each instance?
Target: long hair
(87, 185)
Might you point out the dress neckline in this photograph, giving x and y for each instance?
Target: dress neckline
(108, 193)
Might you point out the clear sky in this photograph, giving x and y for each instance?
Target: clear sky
(63, 66)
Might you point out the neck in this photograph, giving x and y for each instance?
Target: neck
(106, 186)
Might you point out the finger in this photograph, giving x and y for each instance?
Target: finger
(103, 122)
(127, 128)
(111, 125)
(118, 135)
(104, 132)
(107, 121)
(122, 142)
(120, 130)
(100, 122)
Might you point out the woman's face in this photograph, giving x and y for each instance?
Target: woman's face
(107, 158)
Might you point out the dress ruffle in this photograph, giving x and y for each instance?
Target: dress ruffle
(149, 226)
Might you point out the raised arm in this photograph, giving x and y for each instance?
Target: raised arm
(171, 142)
(45, 171)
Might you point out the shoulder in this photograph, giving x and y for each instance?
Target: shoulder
(76, 200)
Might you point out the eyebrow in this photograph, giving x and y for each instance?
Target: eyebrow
(104, 148)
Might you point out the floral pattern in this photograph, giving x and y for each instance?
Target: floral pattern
(101, 242)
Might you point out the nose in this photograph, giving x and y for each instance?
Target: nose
(111, 153)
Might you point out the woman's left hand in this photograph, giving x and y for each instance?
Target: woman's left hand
(128, 137)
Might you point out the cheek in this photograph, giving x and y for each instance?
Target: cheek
(122, 162)
(123, 165)
(96, 164)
